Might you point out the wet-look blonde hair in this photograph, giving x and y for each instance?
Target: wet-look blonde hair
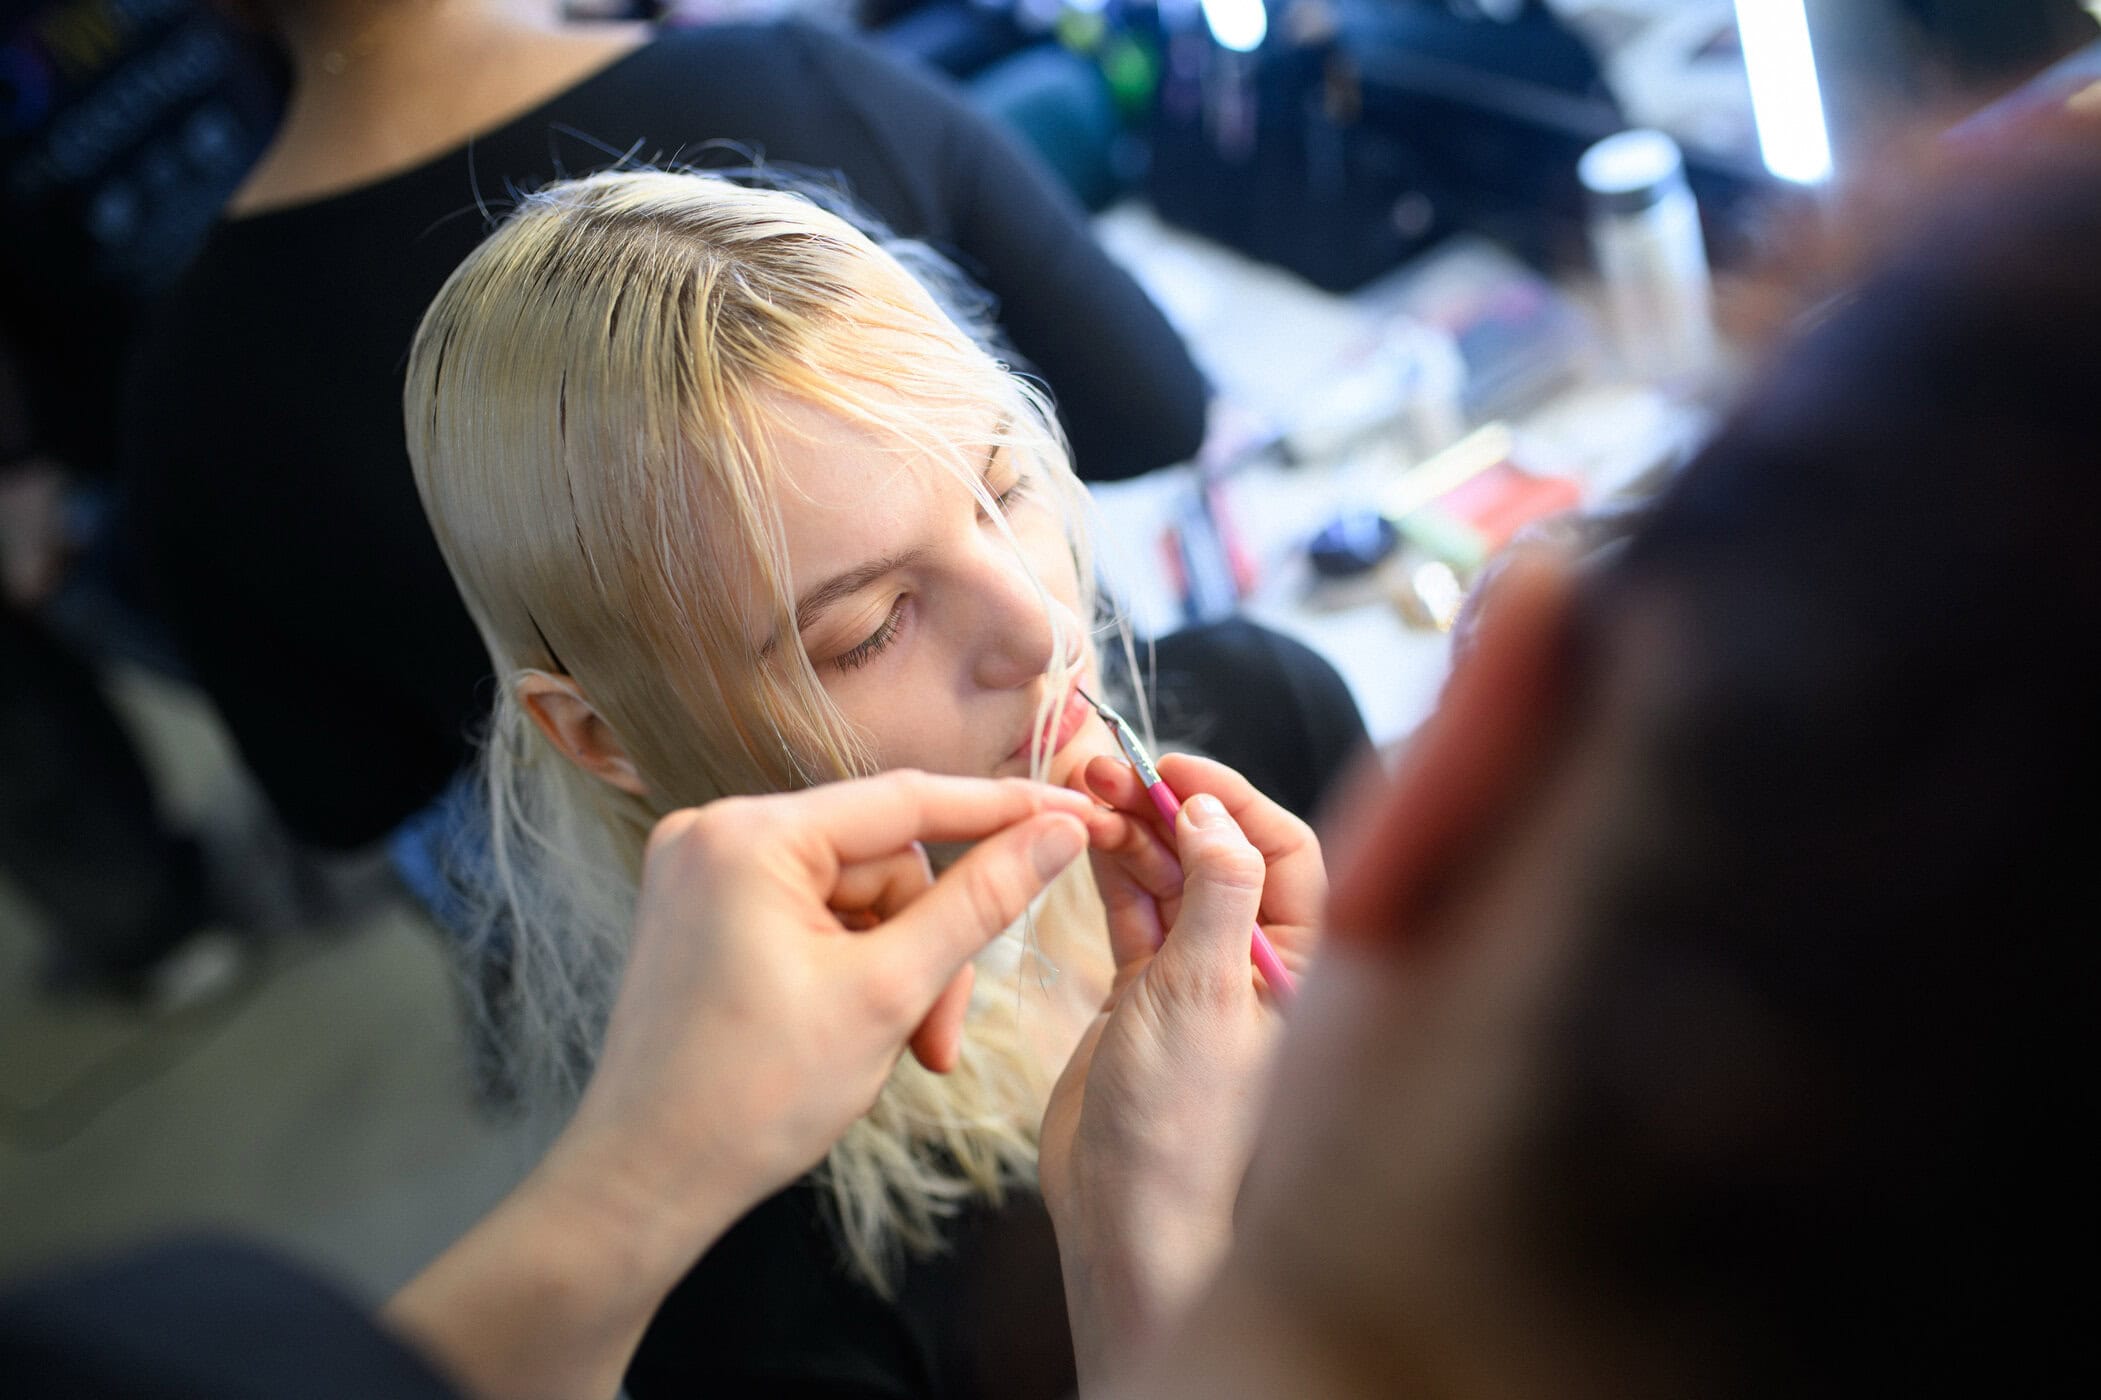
(592, 406)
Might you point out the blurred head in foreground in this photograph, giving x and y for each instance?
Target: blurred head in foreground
(1708, 1003)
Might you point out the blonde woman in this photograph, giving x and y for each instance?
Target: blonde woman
(737, 507)
(261, 433)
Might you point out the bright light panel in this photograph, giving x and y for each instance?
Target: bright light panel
(1240, 25)
(1784, 93)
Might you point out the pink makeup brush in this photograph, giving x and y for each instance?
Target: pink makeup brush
(1169, 806)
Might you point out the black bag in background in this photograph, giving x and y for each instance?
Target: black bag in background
(1359, 131)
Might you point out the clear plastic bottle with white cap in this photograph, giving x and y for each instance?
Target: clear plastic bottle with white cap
(1645, 230)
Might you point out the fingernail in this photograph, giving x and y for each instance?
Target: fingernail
(1055, 847)
(1206, 811)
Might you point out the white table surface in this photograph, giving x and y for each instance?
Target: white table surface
(1267, 340)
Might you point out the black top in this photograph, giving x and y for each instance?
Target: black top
(772, 1312)
(263, 428)
(200, 1320)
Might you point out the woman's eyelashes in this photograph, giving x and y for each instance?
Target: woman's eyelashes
(1015, 492)
(879, 641)
(876, 643)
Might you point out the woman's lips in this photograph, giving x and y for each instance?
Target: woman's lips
(1067, 726)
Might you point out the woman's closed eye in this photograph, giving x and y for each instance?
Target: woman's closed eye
(1016, 492)
(876, 643)
(1005, 499)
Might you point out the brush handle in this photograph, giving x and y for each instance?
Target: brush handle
(1281, 983)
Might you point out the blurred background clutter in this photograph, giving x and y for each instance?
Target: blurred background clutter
(1453, 270)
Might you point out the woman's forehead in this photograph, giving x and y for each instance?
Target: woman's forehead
(850, 493)
(853, 490)
(835, 459)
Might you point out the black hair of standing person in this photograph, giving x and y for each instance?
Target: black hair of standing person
(1815, 1088)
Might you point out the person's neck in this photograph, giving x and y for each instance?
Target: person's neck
(379, 87)
(357, 40)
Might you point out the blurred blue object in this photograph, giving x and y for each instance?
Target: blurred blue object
(1061, 105)
(959, 38)
(1353, 544)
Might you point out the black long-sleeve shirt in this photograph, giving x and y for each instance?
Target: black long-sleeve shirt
(262, 432)
(201, 1317)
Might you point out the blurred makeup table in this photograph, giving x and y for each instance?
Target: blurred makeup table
(1324, 413)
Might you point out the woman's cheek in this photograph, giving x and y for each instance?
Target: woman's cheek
(903, 722)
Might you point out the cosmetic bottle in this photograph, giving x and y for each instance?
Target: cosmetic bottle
(1645, 232)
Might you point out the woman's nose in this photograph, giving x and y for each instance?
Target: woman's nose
(1016, 637)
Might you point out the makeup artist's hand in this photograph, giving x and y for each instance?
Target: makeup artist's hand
(1137, 866)
(1150, 1128)
(786, 949)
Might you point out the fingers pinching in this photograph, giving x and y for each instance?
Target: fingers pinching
(879, 816)
(1269, 827)
(1296, 888)
(1114, 784)
(1222, 882)
(975, 899)
(869, 891)
(1136, 925)
(1142, 851)
(938, 1043)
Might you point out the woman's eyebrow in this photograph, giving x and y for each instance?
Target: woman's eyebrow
(849, 583)
(852, 581)
(843, 585)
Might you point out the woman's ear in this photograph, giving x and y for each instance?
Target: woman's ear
(580, 732)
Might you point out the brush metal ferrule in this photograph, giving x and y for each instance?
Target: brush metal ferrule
(1127, 740)
(1135, 751)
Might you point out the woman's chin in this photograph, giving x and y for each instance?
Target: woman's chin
(1061, 771)
(1067, 763)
